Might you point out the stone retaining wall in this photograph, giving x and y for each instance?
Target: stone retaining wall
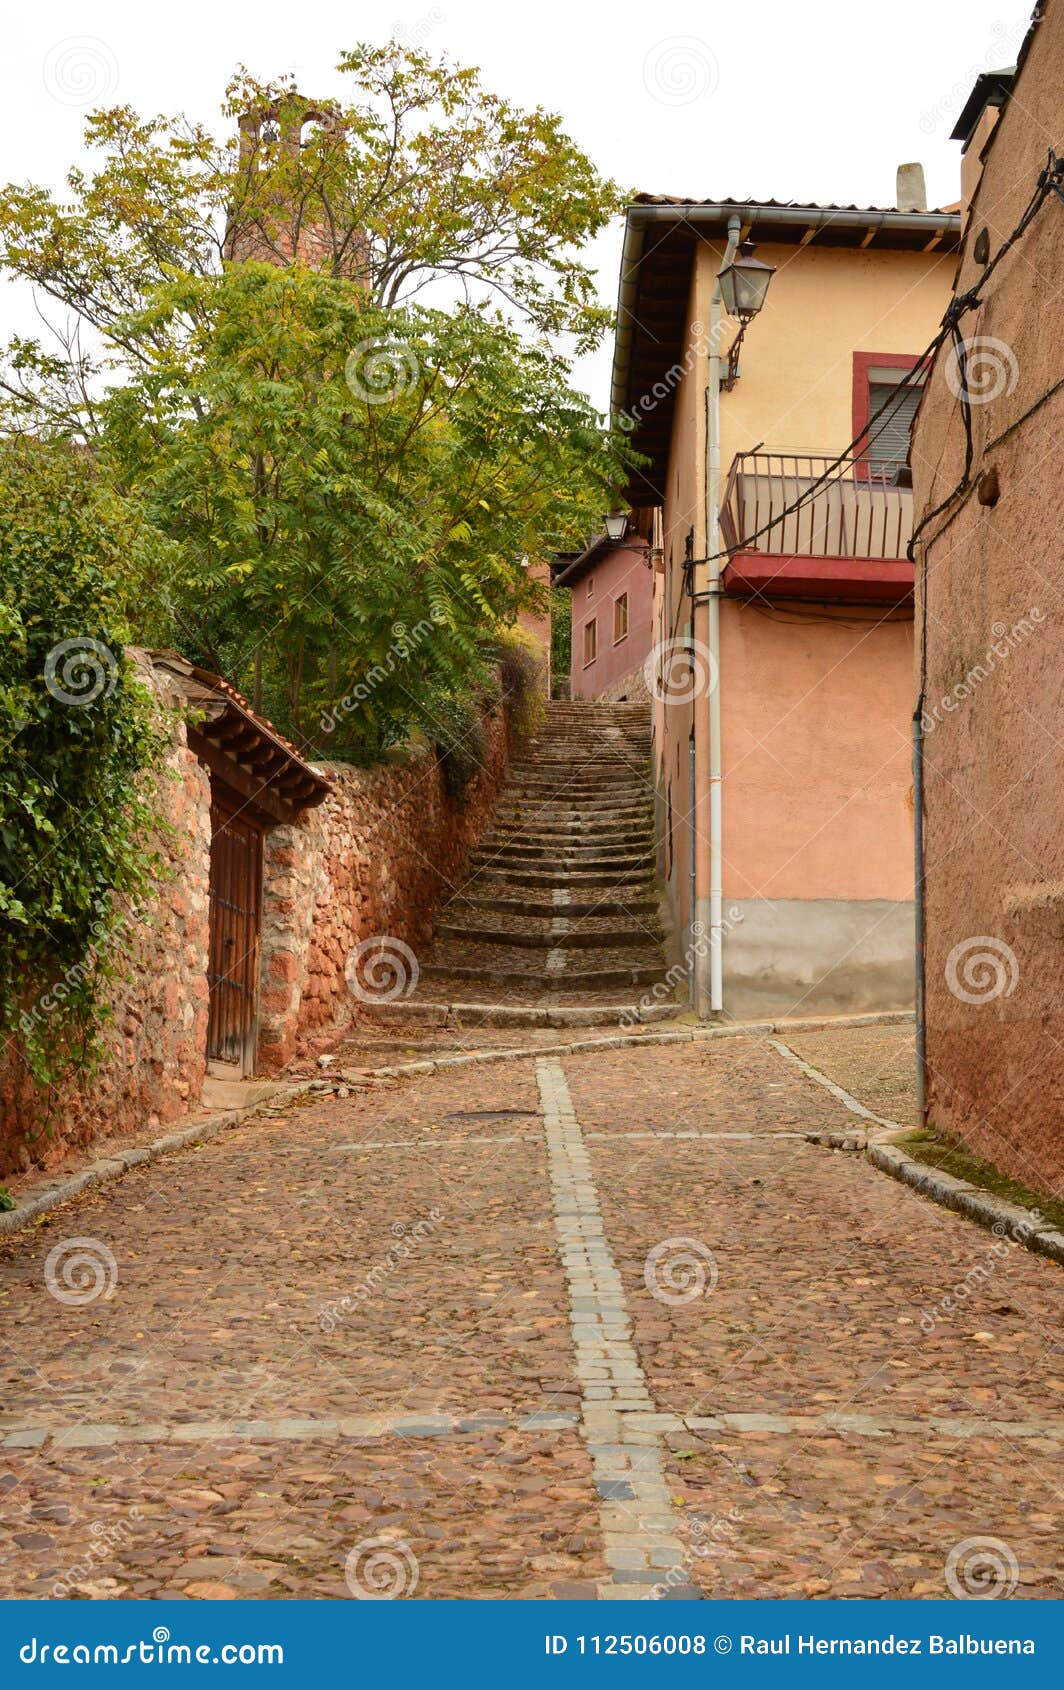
(373, 861)
(154, 1047)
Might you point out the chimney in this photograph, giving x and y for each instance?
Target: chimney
(911, 193)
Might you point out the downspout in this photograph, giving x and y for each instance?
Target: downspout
(692, 845)
(918, 900)
(711, 989)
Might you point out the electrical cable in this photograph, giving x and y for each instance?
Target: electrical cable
(1049, 182)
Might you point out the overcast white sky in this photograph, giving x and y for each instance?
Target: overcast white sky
(785, 99)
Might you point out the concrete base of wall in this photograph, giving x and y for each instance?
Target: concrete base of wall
(798, 956)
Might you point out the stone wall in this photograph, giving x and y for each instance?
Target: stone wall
(993, 714)
(373, 862)
(153, 1047)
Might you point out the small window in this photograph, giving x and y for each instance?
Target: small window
(620, 619)
(590, 641)
(591, 586)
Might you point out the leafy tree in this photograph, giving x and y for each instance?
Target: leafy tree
(424, 177)
(76, 733)
(352, 491)
(350, 477)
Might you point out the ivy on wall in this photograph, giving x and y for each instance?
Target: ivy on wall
(77, 733)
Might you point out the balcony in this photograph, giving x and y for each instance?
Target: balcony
(846, 542)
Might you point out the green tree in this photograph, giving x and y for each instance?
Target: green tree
(352, 491)
(423, 177)
(350, 477)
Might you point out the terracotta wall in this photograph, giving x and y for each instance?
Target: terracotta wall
(994, 704)
(618, 667)
(375, 860)
(154, 1047)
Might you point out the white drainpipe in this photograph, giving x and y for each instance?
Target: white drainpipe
(712, 528)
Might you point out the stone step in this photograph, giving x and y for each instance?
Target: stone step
(565, 782)
(572, 980)
(629, 909)
(575, 940)
(572, 840)
(417, 1012)
(570, 817)
(522, 874)
(566, 864)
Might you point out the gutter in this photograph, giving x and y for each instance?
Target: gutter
(759, 217)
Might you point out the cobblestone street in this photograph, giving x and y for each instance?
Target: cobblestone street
(592, 1323)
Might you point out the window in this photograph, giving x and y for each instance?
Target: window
(620, 619)
(876, 379)
(591, 586)
(590, 641)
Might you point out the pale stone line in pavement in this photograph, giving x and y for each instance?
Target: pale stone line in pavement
(530, 1138)
(556, 958)
(844, 1097)
(637, 1424)
(639, 1523)
(357, 1427)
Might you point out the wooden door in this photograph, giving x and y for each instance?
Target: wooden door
(235, 904)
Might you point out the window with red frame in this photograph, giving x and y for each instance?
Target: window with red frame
(883, 447)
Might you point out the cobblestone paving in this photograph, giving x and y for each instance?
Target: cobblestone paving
(876, 1064)
(505, 1332)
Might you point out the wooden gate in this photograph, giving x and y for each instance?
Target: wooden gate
(235, 904)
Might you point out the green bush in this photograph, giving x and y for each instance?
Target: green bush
(77, 731)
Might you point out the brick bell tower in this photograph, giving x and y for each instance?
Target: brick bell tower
(277, 223)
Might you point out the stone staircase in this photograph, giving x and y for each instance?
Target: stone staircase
(559, 913)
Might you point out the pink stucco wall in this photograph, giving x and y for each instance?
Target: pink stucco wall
(816, 761)
(617, 669)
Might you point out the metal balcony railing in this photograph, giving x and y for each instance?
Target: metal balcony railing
(863, 512)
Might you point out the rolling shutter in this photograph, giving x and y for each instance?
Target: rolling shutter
(892, 432)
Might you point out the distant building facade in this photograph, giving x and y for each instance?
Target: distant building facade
(613, 612)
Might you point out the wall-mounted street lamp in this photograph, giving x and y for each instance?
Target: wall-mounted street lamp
(743, 286)
(616, 524)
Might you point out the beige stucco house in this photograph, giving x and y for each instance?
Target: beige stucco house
(783, 635)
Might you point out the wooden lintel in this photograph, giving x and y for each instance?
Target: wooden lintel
(256, 790)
